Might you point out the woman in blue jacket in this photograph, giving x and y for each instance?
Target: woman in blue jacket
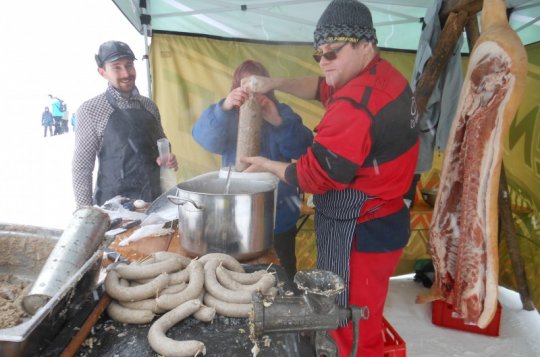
(283, 138)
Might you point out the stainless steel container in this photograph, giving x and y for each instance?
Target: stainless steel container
(25, 250)
(78, 242)
(237, 219)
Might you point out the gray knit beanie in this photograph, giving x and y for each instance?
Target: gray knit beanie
(345, 20)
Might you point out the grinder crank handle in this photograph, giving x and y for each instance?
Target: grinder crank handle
(357, 314)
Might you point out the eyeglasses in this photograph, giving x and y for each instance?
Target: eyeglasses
(330, 55)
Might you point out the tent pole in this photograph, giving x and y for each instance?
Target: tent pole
(146, 28)
(147, 58)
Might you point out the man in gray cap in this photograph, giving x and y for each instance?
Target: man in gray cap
(360, 165)
(121, 128)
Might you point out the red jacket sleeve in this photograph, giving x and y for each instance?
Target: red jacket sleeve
(344, 131)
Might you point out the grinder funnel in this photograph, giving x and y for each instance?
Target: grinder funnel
(320, 288)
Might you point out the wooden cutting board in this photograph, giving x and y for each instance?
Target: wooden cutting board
(143, 248)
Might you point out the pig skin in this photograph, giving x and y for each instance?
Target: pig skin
(463, 230)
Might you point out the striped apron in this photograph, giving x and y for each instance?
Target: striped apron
(335, 219)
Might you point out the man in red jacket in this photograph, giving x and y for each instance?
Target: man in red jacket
(360, 165)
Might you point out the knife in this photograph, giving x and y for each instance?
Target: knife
(112, 233)
(115, 223)
(131, 224)
(114, 256)
(171, 224)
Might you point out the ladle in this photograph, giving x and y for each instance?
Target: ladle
(228, 182)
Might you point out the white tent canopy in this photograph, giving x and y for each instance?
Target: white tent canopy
(398, 23)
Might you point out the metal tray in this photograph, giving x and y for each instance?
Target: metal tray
(26, 249)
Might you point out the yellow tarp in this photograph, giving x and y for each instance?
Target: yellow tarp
(190, 73)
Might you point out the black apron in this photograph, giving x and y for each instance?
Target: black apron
(335, 219)
(127, 159)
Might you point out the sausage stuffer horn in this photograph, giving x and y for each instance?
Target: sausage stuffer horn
(314, 311)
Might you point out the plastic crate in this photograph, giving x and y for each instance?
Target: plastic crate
(394, 345)
(442, 314)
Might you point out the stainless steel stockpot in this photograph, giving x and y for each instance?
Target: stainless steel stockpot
(237, 220)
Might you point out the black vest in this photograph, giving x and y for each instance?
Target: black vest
(127, 159)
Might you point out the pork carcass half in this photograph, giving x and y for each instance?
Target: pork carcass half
(463, 231)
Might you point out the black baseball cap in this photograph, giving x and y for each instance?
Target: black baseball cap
(111, 51)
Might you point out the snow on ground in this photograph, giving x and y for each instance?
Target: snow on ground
(36, 178)
(519, 333)
(36, 190)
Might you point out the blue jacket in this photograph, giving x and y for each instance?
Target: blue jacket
(217, 131)
(56, 109)
(47, 119)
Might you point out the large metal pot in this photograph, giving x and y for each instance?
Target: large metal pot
(237, 220)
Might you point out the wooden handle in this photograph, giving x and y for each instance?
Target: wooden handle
(507, 224)
(80, 336)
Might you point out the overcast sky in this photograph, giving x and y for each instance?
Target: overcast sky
(49, 47)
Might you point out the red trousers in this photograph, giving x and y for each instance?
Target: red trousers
(369, 278)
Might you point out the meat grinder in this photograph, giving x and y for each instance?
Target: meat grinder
(314, 311)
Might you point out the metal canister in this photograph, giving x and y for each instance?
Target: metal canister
(75, 246)
(234, 218)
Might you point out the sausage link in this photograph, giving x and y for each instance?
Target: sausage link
(246, 278)
(126, 315)
(167, 346)
(117, 291)
(205, 313)
(228, 261)
(213, 286)
(193, 289)
(144, 271)
(263, 284)
(227, 308)
(146, 304)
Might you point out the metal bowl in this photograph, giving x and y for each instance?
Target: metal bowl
(429, 195)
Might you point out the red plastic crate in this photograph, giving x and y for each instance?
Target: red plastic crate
(394, 345)
(442, 314)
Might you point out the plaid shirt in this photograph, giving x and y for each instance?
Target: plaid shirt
(92, 117)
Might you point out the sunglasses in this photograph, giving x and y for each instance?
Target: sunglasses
(330, 55)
